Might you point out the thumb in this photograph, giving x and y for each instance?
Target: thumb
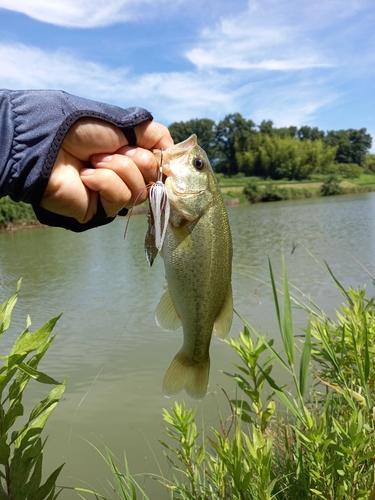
(91, 136)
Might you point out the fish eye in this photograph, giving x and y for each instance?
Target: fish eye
(198, 163)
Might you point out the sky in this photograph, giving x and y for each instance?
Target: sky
(293, 62)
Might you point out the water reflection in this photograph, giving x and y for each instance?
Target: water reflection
(108, 343)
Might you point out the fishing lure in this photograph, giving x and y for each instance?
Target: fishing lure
(159, 207)
(158, 216)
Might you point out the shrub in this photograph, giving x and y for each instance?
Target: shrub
(370, 162)
(252, 192)
(12, 212)
(274, 193)
(255, 194)
(331, 186)
(349, 170)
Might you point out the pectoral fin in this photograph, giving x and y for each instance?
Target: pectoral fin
(166, 315)
(224, 321)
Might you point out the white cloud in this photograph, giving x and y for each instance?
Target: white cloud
(259, 38)
(95, 13)
(202, 59)
(275, 60)
(294, 104)
(171, 96)
(29, 67)
(272, 35)
(85, 13)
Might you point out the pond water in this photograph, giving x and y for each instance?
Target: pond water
(108, 344)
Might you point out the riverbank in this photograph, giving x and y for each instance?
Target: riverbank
(14, 216)
(236, 190)
(255, 190)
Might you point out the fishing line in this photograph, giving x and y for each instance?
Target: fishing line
(97, 376)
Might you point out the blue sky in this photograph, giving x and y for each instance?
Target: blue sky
(289, 61)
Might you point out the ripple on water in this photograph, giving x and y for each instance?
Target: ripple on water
(108, 344)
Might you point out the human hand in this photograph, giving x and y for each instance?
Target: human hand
(120, 174)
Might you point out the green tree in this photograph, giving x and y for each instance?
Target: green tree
(232, 135)
(266, 127)
(370, 162)
(203, 128)
(310, 133)
(284, 157)
(287, 131)
(352, 145)
(320, 155)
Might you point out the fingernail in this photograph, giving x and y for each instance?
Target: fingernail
(101, 158)
(130, 151)
(86, 171)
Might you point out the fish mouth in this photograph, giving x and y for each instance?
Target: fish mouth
(186, 193)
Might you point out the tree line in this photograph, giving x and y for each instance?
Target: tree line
(236, 145)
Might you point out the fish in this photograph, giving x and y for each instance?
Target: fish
(197, 254)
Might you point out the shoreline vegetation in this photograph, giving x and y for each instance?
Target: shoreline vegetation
(16, 215)
(236, 190)
(310, 439)
(259, 163)
(256, 190)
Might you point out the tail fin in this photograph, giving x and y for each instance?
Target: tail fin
(183, 373)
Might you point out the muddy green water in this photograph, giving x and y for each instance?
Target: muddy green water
(108, 344)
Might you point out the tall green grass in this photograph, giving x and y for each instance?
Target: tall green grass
(22, 448)
(311, 440)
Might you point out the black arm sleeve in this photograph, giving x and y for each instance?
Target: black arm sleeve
(33, 125)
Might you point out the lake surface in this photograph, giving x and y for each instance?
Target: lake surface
(108, 344)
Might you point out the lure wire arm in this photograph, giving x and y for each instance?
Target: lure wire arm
(160, 173)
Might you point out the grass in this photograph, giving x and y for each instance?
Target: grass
(364, 180)
(256, 190)
(312, 439)
(235, 187)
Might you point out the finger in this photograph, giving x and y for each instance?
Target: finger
(118, 185)
(89, 136)
(153, 135)
(145, 161)
(126, 168)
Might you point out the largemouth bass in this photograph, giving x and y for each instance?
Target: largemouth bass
(197, 253)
